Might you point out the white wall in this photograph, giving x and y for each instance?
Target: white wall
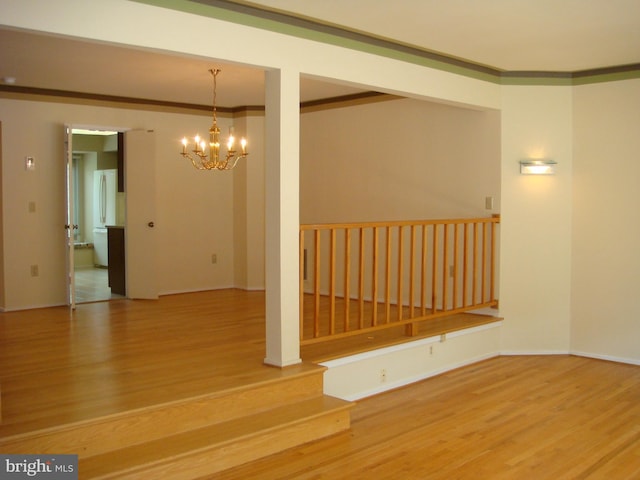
(190, 224)
(605, 296)
(362, 375)
(535, 255)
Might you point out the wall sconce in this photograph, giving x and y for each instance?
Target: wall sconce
(538, 167)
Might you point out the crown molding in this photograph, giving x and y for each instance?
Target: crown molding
(68, 96)
(245, 13)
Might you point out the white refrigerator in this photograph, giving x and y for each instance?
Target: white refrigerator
(105, 187)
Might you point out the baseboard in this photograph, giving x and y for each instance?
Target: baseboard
(596, 356)
(33, 307)
(609, 358)
(534, 352)
(195, 290)
(252, 289)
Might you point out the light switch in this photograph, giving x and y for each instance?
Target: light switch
(32, 207)
(488, 203)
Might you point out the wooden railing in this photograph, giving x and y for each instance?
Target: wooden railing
(357, 278)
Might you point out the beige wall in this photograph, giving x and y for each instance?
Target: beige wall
(605, 298)
(536, 220)
(194, 213)
(248, 208)
(398, 160)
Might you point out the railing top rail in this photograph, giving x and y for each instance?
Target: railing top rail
(400, 223)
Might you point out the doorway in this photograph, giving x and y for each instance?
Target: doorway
(98, 205)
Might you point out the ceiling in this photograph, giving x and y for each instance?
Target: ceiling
(506, 35)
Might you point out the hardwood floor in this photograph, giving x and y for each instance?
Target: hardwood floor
(173, 389)
(59, 366)
(539, 417)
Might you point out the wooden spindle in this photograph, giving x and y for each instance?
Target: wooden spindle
(412, 268)
(301, 280)
(400, 253)
(485, 251)
(361, 279)
(474, 276)
(347, 278)
(332, 281)
(493, 259)
(387, 283)
(434, 268)
(374, 278)
(423, 272)
(445, 266)
(456, 254)
(465, 265)
(316, 285)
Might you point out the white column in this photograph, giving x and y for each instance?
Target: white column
(282, 127)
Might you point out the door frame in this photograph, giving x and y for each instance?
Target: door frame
(69, 204)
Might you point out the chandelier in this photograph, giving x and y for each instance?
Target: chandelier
(199, 157)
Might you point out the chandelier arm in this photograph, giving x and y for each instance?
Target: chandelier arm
(194, 162)
(234, 160)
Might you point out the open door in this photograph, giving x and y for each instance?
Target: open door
(69, 226)
(140, 229)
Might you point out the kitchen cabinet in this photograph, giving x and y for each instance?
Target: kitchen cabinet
(115, 241)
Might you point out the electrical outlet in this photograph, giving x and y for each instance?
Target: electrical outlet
(430, 349)
(214, 258)
(383, 375)
(34, 271)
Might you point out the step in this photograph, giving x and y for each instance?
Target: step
(218, 447)
(103, 434)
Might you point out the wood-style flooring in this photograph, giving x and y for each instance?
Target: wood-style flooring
(59, 366)
(538, 417)
(516, 418)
